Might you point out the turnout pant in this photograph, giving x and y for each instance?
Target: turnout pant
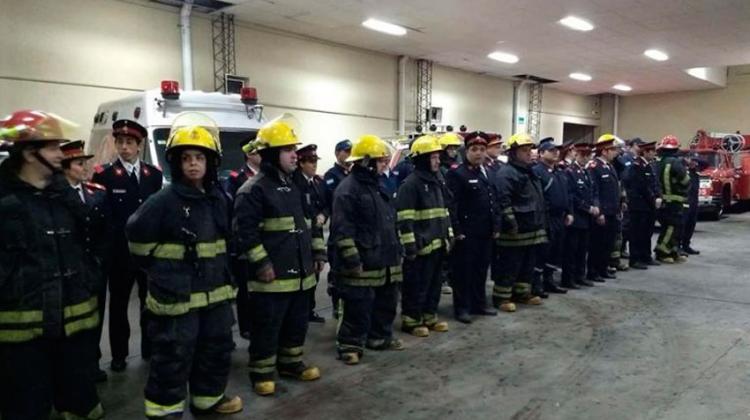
(195, 349)
(367, 314)
(421, 290)
(601, 244)
(615, 254)
(670, 237)
(514, 280)
(549, 255)
(471, 258)
(42, 373)
(642, 228)
(278, 326)
(574, 261)
(121, 281)
(689, 222)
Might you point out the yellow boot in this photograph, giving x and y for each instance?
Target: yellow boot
(228, 406)
(350, 358)
(264, 388)
(300, 372)
(420, 331)
(440, 326)
(507, 306)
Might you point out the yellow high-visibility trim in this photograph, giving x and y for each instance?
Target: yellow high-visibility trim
(204, 402)
(19, 336)
(407, 238)
(433, 213)
(197, 300)
(256, 254)
(408, 214)
(20, 317)
(278, 224)
(174, 251)
(318, 244)
(80, 308)
(82, 324)
(431, 247)
(157, 410)
(343, 243)
(141, 249)
(282, 285)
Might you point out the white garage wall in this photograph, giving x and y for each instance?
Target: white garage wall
(559, 107)
(683, 113)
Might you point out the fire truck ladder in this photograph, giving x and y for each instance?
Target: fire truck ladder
(535, 109)
(225, 59)
(424, 92)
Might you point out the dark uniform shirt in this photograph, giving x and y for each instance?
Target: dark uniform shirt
(581, 191)
(237, 178)
(331, 180)
(555, 187)
(640, 186)
(606, 187)
(473, 201)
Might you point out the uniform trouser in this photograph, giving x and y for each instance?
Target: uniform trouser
(549, 254)
(689, 222)
(195, 349)
(42, 373)
(121, 281)
(278, 326)
(470, 259)
(670, 238)
(367, 313)
(601, 244)
(421, 290)
(514, 280)
(576, 250)
(241, 274)
(642, 228)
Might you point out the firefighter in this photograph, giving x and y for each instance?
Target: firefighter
(608, 198)
(581, 191)
(248, 170)
(559, 215)
(475, 223)
(332, 179)
(643, 202)
(94, 196)
(48, 282)
(271, 229)
(521, 204)
(615, 258)
(179, 238)
(313, 199)
(425, 232)
(368, 254)
(129, 182)
(675, 181)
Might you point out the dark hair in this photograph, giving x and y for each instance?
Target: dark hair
(15, 160)
(270, 156)
(422, 162)
(211, 177)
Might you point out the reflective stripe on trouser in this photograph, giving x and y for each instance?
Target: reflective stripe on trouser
(39, 369)
(197, 300)
(278, 326)
(368, 313)
(515, 272)
(421, 289)
(190, 349)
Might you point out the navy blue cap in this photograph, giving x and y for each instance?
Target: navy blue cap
(547, 143)
(636, 141)
(344, 145)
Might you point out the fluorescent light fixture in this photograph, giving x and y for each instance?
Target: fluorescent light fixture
(580, 76)
(503, 57)
(698, 72)
(656, 55)
(385, 27)
(622, 87)
(577, 23)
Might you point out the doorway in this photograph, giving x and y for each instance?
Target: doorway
(578, 133)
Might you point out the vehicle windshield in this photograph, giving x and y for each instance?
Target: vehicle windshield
(231, 141)
(712, 158)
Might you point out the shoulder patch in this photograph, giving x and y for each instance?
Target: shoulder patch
(234, 174)
(95, 186)
(330, 181)
(98, 169)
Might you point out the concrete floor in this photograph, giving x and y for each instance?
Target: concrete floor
(668, 343)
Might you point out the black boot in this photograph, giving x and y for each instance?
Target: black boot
(569, 285)
(551, 287)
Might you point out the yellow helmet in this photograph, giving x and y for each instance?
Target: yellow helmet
(369, 146)
(450, 139)
(194, 129)
(605, 138)
(250, 147)
(519, 140)
(279, 132)
(425, 145)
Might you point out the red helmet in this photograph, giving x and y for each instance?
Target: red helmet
(669, 142)
(29, 126)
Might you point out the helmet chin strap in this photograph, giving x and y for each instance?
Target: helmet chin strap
(45, 162)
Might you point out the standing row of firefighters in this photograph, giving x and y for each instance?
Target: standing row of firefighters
(449, 214)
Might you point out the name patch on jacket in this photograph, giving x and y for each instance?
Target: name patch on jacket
(118, 191)
(473, 181)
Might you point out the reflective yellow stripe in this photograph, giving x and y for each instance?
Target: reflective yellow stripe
(434, 213)
(450, 232)
(408, 214)
(407, 238)
(204, 403)
(267, 365)
(318, 244)
(141, 249)
(158, 410)
(343, 243)
(348, 252)
(20, 317)
(282, 285)
(523, 239)
(169, 251)
(80, 308)
(256, 254)
(432, 246)
(95, 414)
(82, 324)
(278, 224)
(410, 322)
(670, 198)
(288, 355)
(211, 249)
(308, 223)
(508, 211)
(396, 274)
(665, 180)
(19, 336)
(197, 300)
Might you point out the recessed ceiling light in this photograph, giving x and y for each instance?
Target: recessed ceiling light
(580, 76)
(503, 57)
(385, 27)
(698, 72)
(656, 55)
(577, 23)
(624, 88)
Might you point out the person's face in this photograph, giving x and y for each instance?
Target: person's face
(650, 154)
(381, 164)
(50, 152)
(494, 151)
(288, 159)
(342, 156)
(77, 170)
(435, 162)
(309, 167)
(128, 148)
(582, 156)
(253, 158)
(550, 156)
(193, 163)
(609, 153)
(452, 151)
(635, 149)
(475, 154)
(523, 154)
